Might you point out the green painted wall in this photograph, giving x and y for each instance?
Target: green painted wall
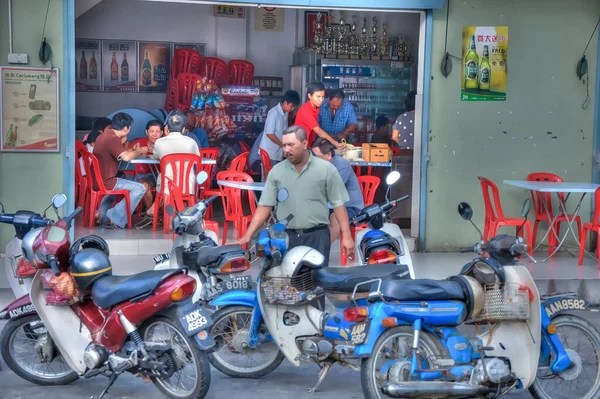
(28, 181)
(507, 140)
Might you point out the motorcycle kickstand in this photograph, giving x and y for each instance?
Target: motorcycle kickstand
(322, 374)
(113, 377)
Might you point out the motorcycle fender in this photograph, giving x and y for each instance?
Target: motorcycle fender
(243, 298)
(69, 335)
(203, 339)
(19, 308)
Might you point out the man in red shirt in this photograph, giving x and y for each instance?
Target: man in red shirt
(308, 115)
(144, 174)
(109, 150)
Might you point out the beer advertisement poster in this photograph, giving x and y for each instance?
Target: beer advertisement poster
(88, 65)
(119, 61)
(154, 59)
(29, 113)
(485, 57)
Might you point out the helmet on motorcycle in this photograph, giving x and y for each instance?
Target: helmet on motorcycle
(27, 244)
(88, 258)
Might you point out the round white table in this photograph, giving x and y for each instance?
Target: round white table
(152, 161)
(242, 185)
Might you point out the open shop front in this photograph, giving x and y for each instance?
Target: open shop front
(245, 58)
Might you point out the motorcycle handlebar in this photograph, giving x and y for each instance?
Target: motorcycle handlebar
(287, 220)
(68, 219)
(36, 221)
(210, 199)
(467, 249)
(6, 218)
(54, 266)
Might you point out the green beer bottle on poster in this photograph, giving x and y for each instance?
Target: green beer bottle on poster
(471, 66)
(9, 140)
(485, 72)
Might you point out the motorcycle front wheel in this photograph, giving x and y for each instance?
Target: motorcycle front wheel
(582, 379)
(191, 379)
(231, 330)
(392, 355)
(18, 347)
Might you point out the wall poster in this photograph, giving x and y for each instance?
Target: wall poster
(154, 59)
(88, 65)
(200, 48)
(229, 12)
(119, 72)
(30, 109)
(269, 19)
(485, 56)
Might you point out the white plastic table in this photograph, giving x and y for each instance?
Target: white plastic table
(567, 188)
(242, 185)
(377, 164)
(155, 163)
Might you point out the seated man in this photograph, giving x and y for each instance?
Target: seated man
(109, 150)
(144, 175)
(323, 149)
(174, 142)
(383, 135)
(197, 133)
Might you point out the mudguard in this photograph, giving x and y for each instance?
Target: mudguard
(243, 298)
(19, 308)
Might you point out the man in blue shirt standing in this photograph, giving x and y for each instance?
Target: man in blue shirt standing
(337, 116)
(196, 133)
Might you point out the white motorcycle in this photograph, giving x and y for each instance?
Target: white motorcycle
(382, 242)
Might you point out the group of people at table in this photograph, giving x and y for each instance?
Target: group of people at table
(324, 193)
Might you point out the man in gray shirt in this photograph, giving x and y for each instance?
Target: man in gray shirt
(324, 150)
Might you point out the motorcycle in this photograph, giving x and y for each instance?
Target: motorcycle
(19, 272)
(382, 242)
(81, 321)
(215, 268)
(281, 320)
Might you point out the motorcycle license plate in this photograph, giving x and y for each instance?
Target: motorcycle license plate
(194, 318)
(161, 258)
(235, 283)
(358, 333)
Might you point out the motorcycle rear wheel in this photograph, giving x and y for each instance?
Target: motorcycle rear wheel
(185, 349)
(369, 374)
(567, 378)
(10, 349)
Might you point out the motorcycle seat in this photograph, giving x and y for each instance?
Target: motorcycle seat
(111, 290)
(208, 255)
(424, 290)
(344, 279)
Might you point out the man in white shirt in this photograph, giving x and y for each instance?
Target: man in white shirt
(174, 142)
(270, 139)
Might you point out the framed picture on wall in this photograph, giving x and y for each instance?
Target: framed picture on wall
(200, 48)
(310, 17)
(154, 59)
(88, 65)
(119, 66)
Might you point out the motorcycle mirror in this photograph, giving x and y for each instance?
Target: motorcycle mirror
(392, 178)
(170, 210)
(201, 177)
(282, 195)
(465, 211)
(59, 200)
(526, 208)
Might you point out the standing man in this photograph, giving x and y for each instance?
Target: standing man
(196, 133)
(308, 115)
(270, 138)
(324, 150)
(311, 183)
(109, 150)
(337, 116)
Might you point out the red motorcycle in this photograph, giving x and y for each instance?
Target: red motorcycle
(80, 321)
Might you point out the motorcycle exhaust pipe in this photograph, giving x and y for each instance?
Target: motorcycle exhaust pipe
(435, 389)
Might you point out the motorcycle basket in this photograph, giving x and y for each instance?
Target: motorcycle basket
(504, 302)
(61, 290)
(21, 267)
(296, 290)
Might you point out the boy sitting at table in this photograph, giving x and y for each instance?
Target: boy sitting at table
(144, 174)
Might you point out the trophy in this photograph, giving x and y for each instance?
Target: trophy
(364, 49)
(384, 48)
(353, 40)
(330, 37)
(318, 32)
(343, 38)
(374, 41)
(403, 48)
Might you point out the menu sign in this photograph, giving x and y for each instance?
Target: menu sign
(269, 19)
(88, 65)
(229, 12)
(117, 76)
(29, 111)
(153, 66)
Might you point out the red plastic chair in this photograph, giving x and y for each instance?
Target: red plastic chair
(92, 170)
(591, 226)
(494, 215)
(181, 166)
(80, 179)
(241, 72)
(186, 87)
(245, 147)
(368, 187)
(541, 215)
(186, 60)
(265, 163)
(205, 191)
(233, 204)
(239, 163)
(215, 69)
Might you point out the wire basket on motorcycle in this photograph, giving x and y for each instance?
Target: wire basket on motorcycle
(295, 290)
(504, 302)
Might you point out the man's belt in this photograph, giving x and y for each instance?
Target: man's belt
(310, 230)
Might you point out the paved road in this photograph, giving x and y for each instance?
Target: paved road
(287, 381)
